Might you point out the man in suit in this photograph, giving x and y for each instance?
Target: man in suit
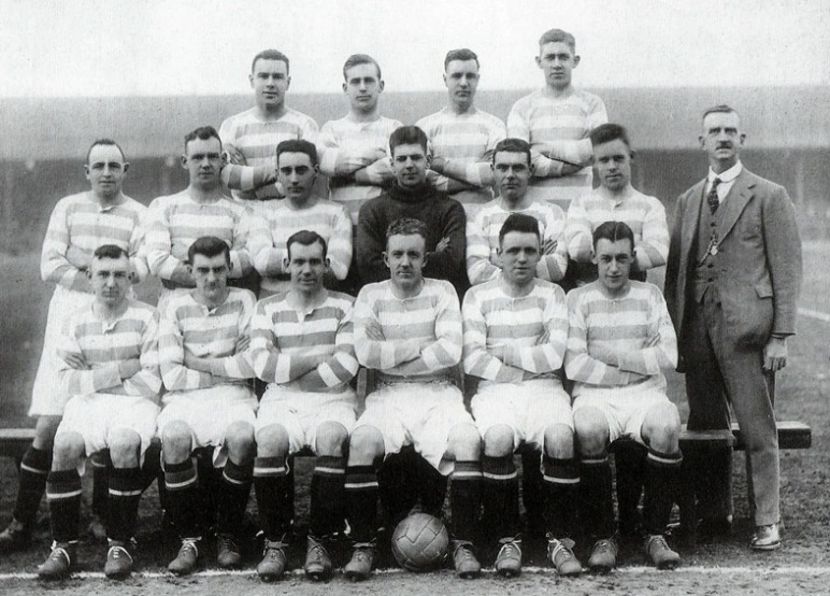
(732, 281)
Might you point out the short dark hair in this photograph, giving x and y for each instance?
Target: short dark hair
(721, 108)
(298, 146)
(605, 133)
(519, 222)
(407, 135)
(306, 238)
(460, 54)
(209, 246)
(204, 133)
(613, 231)
(406, 226)
(271, 55)
(104, 141)
(356, 59)
(512, 145)
(554, 35)
(110, 251)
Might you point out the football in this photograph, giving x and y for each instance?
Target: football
(420, 542)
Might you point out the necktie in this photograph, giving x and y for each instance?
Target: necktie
(712, 197)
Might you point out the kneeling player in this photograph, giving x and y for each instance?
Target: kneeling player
(515, 331)
(620, 338)
(110, 367)
(408, 328)
(202, 344)
(302, 343)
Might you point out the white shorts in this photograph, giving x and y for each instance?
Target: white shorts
(301, 413)
(94, 416)
(208, 413)
(528, 408)
(625, 408)
(47, 397)
(417, 414)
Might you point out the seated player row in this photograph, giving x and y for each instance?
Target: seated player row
(613, 336)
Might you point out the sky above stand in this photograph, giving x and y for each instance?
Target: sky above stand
(150, 47)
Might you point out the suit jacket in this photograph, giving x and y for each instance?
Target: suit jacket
(758, 261)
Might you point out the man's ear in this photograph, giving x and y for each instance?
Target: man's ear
(184, 161)
(327, 262)
(125, 167)
(594, 257)
(386, 260)
(285, 263)
(576, 60)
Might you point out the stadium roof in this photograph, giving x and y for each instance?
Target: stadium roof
(657, 118)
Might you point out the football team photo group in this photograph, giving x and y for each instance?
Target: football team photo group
(462, 319)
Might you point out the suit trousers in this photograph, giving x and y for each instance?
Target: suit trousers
(720, 373)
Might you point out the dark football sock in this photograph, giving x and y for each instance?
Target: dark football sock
(63, 492)
(361, 488)
(232, 498)
(327, 495)
(629, 460)
(561, 491)
(101, 465)
(597, 507)
(125, 485)
(465, 500)
(662, 480)
(34, 468)
(500, 496)
(182, 493)
(270, 484)
(432, 486)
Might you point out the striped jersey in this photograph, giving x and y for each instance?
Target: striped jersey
(283, 338)
(619, 341)
(468, 138)
(206, 333)
(557, 127)
(327, 218)
(344, 138)
(105, 344)
(80, 221)
(645, 215)
(532, 330)
(408, 339)
(257, 140)
(484, 263)
(174, 222)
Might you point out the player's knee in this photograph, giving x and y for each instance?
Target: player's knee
(239, 439)
(661, 428)
(365, 444)
(591, 430)
(464, 442)
(498, 441)
(176, 442)
(559, 441)
(67, 451)
(45, 429)
(272, 441)
(124, 445)
(331, 438)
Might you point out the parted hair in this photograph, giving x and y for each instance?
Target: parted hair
(104, 141)
(519, 222)
(613, 231)
(356, 59)
(512, 145)
(110, 251)
(605, 133)
(460, 54)
(204, 133)
(209, 246)
(407, 135)
(306, 238)
(721, 108)
(271, 55)
(554, 35)
(298, 146)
